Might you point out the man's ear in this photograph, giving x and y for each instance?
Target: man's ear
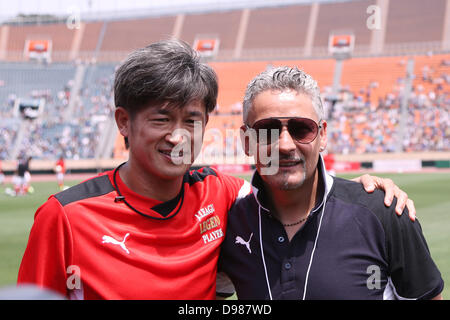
(323, 136)
(123, 121)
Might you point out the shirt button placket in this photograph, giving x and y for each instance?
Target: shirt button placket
(287, 281)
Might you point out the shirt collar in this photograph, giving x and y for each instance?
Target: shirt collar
(149, 207)
(260, 193)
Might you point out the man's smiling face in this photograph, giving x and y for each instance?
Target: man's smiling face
(162, 138)
(297, 161)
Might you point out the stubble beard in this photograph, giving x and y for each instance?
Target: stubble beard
(281, 180)
(288, 185)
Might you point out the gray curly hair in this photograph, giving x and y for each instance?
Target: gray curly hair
(282, 78)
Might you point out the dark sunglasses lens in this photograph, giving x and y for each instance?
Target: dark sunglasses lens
(303, 130)
(264, 129)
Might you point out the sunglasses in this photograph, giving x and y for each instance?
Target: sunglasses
(302, 130)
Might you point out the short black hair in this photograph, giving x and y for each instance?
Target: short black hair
(166, 72)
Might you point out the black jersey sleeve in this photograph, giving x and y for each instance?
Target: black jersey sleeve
(413, 273)
(224, 286)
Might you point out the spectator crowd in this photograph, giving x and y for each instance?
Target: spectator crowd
(356, 123)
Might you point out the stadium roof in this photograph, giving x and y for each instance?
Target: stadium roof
(106, 9)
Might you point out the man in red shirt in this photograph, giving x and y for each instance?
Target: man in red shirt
(150, 229)
(60, 169)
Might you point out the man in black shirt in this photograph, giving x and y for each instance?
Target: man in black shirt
(303, 234)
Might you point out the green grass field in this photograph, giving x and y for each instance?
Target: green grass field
(430, 192)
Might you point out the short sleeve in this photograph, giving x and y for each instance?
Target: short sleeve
(224, 286)
(412, 271)
(237, 188)
(49, 248)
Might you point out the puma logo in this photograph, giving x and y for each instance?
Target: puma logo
(108, 239)
(245, 243)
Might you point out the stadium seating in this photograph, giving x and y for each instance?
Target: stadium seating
(415, 21)
(234, 77)
(341, 16)
(90, 39)
(365, 118)
(288, 32)
(24, 78)
(109, 40)
(223, 25)
(126, 35)
(8, 132)
(50, 135)
(359, 73)
(96, 92)
(370, 82)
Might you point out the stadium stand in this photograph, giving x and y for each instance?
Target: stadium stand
(126, 35)
(90, 39)
(368, 121)
(29, 80)
(60, 35)
(289, 32)
(428, 17)
(8, 132)
(364, 118)
(223, 25)
(96, 93)
(49, 134)
(234, 77)
(343, 16)
(359, 73)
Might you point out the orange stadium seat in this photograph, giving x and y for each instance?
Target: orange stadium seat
(343, 16)
(223, 25)
(359, 73)
(90, 38)
(415, 21)
(288, 32)
(58, 33)
(111, 39)
(234, 76)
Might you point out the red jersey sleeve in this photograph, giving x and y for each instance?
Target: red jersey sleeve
(236, 187)
(48, 252)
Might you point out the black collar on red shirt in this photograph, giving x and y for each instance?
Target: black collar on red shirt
(170, 208)
(166, 209)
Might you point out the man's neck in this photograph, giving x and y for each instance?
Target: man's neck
(147, 185)
(292, 207)
(299, 201)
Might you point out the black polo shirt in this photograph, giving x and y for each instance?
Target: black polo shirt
(350, 247)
